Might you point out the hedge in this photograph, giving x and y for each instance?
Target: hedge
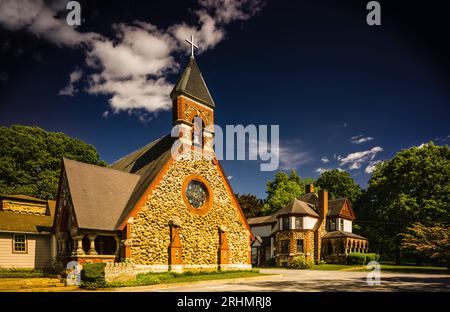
(21, 273)
(93, 275)
(361, 258)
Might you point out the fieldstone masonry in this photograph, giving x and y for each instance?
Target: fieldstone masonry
(199, 235)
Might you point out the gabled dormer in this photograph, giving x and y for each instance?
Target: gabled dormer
(340, 215)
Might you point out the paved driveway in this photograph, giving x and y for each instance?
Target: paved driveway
(311, 280)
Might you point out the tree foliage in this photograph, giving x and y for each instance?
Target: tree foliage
(30, 159)
(339, 184)
(432, 242)
(283, 189)
(250, 204)
(412, 187)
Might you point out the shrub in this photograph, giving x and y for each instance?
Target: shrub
(21, 273)
(53, 267)
(372, 257)
(356, 258)
(301, 262)
(93, 275)
(362, 258)
(272, 262)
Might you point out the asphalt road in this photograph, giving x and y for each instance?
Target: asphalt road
(310, 280)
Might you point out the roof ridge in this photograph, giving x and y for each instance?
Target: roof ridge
(145, 147)
(97, 166)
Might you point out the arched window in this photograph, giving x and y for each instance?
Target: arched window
(197, 131)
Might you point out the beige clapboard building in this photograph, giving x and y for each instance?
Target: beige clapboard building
(25, 232)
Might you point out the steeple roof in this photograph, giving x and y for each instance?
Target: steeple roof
(192, 84)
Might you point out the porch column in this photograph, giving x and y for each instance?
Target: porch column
(78, 250)
(117, 239)
(92, 250)
(62, 246)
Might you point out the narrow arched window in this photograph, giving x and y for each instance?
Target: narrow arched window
(197, 131)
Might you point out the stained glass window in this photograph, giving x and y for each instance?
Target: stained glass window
(196, 194)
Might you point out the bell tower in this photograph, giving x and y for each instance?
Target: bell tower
(193, 107)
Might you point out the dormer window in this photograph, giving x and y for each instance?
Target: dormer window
(332, 225)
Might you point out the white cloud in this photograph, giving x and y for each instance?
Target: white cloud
(227, 11)
(422, 145)
(289, 153)
(321, 170)
(206, 36)
(359, 139)
(15, 15)
(371, 167)
(74, 77)
(325, 159)
(230, 177)
(130, 68)
(355, 160)
(292, 156)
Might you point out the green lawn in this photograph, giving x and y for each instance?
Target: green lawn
(169, 278)
(384, 267)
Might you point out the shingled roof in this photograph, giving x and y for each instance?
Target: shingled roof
(192, 84)
(99, 194)
(297, 207)
(310, 198)
(338, 234)
(146, 162)
(259, 220)
(335, 206)
(27, 223)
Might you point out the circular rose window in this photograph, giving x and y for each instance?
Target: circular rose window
(196, 194)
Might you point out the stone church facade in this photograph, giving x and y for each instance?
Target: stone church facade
(166, 206)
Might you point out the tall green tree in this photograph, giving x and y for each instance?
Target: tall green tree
(283, 189)
(339, 184)
(250, 204)
(30, 159)
(427, 242)
(414, 186)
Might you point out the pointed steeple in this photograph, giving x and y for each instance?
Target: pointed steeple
(192, 85)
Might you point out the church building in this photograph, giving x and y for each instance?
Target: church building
(165, 206)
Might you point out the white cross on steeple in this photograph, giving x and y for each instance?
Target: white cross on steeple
(193, 45)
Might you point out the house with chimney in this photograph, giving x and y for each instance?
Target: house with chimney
(311, 225)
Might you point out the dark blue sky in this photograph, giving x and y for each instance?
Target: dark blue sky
(313, 67)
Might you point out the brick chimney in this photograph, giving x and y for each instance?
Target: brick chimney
(320, 231)
(309, 188)
(323, 204)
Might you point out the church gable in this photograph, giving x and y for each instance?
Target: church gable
(202, 224)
